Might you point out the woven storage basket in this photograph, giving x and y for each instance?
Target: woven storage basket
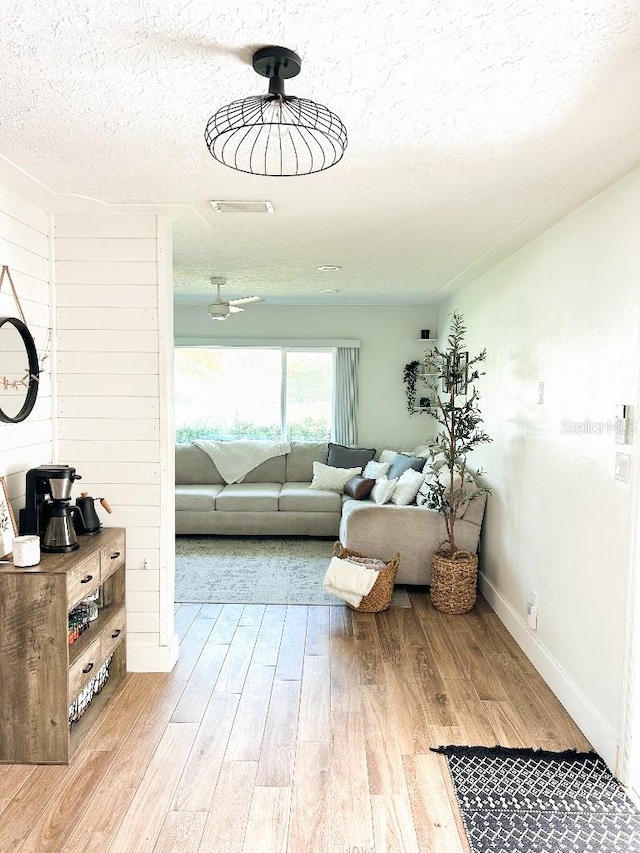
(453, 581)
(380, 596)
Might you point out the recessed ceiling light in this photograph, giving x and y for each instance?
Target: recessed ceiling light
(329, 268)
(330, 290)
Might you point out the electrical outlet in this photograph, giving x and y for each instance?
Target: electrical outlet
(532, 610)
(145, 563)
(540, 393)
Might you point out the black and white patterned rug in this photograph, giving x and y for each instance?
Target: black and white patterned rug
(528, 801)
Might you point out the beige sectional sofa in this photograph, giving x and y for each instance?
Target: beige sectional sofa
(414, 532)
(274, 499)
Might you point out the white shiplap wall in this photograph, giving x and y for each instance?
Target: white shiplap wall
(112, 274)
(25, 249)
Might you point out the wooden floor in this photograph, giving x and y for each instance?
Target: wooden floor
(295, 729)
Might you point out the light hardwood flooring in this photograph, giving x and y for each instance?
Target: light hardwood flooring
(296, 729)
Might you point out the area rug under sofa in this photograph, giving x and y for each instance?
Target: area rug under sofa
(257, 570)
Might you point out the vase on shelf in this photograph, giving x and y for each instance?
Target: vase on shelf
(430, 365)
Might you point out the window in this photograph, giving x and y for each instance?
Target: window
(309, 386)
(262, 393)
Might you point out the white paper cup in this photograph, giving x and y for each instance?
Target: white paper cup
(26, 551)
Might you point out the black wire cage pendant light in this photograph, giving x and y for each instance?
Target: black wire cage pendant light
(276, 134)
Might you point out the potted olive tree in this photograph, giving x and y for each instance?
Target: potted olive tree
(455, 408)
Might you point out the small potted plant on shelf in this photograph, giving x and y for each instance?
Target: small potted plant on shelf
(410, 379)
(413, 371)
(455, 408)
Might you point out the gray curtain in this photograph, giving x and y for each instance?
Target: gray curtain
(345, 410)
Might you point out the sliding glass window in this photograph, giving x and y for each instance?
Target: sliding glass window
(228, 393)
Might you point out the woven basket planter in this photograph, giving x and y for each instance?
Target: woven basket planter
(454, 581)
(380, 596)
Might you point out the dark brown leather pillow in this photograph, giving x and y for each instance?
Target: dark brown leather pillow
(359, 487)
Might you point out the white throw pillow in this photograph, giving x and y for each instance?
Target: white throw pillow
(443, 477)
(383, 490)
(376, 470)
(332, 479)
(407, 488)
(423, 492)
(388, 456)
(469, 483)
(438, 461)
(422, 450)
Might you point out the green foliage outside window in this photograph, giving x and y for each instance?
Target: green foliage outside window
(308, 430)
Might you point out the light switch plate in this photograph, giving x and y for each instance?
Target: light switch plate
(621, 424)
(623, 467)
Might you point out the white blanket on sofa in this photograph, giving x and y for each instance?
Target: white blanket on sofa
(234, 459)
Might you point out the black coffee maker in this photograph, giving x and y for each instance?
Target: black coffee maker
(47, 510)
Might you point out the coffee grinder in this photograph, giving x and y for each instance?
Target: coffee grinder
(47, 511)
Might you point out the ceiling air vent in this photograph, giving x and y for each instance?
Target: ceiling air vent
(242, 206)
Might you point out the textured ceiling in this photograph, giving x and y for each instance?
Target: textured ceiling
(465, 120)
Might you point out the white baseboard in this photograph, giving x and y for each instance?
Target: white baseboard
(604, 740)
(152, 658)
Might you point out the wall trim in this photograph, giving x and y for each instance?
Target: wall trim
(598, 732)
(52, 367)
(153, 658)
(630, 734)
(164, 249)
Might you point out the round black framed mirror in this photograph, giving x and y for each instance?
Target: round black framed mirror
(18, 385)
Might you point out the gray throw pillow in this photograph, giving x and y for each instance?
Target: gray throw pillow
(341, 456)
(402, 463)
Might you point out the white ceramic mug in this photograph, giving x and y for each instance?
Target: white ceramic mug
(26, 551)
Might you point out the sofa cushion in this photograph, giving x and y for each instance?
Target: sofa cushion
(341, 456)
(270, 471)
(407, 487)
(197, 498)
(383, 490)
(249, 497)
(298, 497)
(423, 496)
(376, 470)
(333, 479)
(474, 509)
(194, 467)
(402, 462)
(300, 460)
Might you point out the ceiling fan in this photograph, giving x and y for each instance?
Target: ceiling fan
(221, 308)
